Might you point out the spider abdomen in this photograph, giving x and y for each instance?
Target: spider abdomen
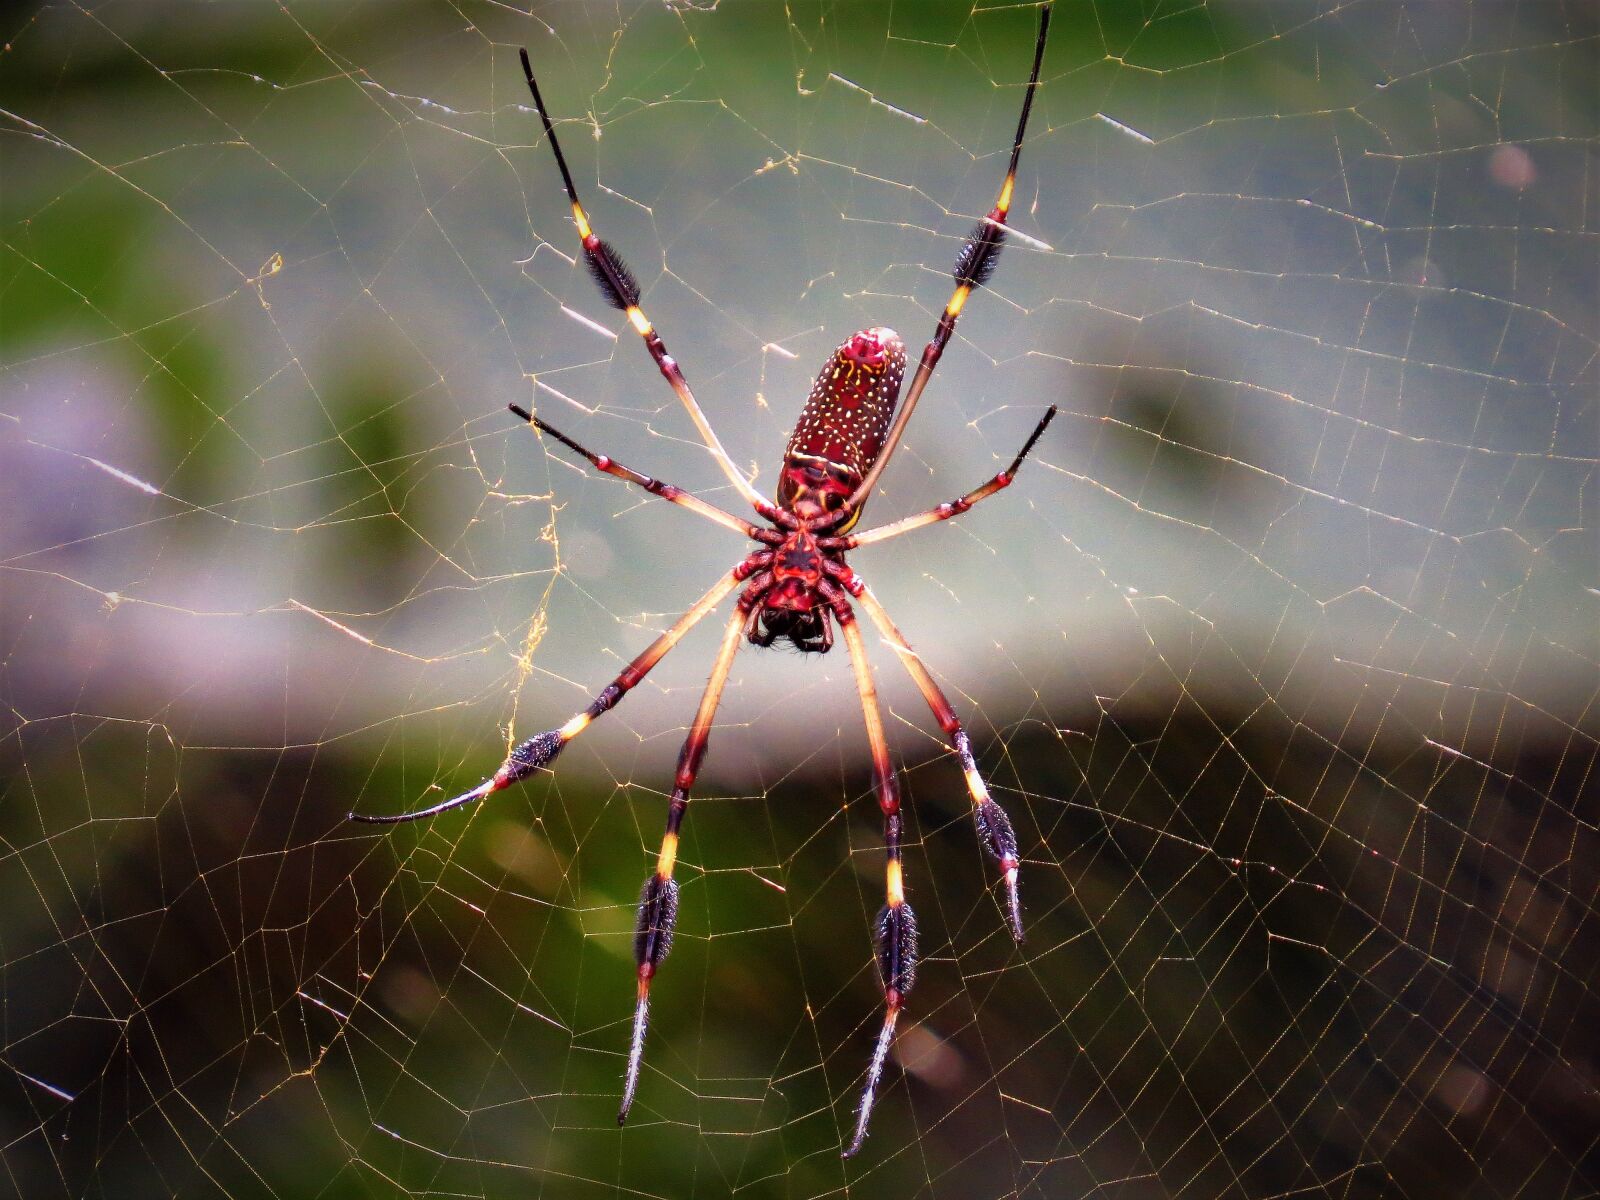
(841, 428)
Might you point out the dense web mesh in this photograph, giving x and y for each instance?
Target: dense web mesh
(1281, 653)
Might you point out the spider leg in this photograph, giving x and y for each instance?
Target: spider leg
(951, 508)
(974, 265)
(541, 749)
(667, 491)
(896, 924)
(621, 290)
(658, 901)
(994, 827)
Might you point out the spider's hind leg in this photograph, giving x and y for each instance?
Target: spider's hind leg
(621, 291)
(667, 491)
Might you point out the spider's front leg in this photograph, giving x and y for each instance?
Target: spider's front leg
(896, 924)
(658, 900)
(540, 750)
(994, 827)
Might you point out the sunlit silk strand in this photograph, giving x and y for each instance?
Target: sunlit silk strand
(796, 586)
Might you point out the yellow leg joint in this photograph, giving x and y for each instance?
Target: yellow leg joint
(897, 886)
(958, 300)
(669, 856)
(975, 785)
(574, 727)
(1004, 203)
(639, 321)
(582, 219)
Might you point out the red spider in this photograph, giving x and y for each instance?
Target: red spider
(796, 586)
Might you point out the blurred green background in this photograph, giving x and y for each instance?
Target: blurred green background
(1281, 653)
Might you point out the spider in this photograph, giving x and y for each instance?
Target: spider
(796, 585)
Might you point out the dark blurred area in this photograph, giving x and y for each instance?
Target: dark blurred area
(1282, 651)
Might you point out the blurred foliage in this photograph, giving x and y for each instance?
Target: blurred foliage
(1260, 936)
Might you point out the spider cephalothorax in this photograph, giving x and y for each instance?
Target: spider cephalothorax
(796, 585)
(784, 600)
(834, 444)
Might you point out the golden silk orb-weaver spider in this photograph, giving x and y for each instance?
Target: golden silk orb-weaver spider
(796, 585)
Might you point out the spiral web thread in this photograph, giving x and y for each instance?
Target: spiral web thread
(1281, 652)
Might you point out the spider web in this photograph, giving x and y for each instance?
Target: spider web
(1281, 653)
